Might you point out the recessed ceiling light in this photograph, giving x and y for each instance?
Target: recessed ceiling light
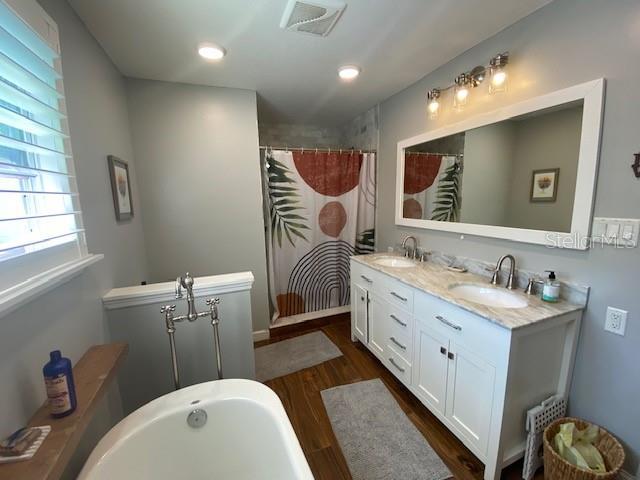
(209, 51)
(348, 72)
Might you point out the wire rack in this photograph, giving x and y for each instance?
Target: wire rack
(537, 420)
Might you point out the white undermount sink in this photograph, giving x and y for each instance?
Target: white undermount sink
(396, 262)
(489, 296)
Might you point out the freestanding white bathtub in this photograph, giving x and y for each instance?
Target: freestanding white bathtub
(247, 435)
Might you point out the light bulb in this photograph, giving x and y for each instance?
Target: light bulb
(498, 73)
(499, 78)
(433, 106)
(462, 94)
(460, 97)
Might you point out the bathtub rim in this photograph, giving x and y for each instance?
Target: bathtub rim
(180, 401)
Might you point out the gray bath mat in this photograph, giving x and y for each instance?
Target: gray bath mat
(377, 439)
(288, 356)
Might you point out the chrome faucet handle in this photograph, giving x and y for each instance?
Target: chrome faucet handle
(213, 309)
(212, 301)
(530, 290)
(167, 309)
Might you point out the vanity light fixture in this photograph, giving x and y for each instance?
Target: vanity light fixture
(348, 72)
(434, 105)
(212, 52)
(461, 90)
(466, 81)
(498, 73)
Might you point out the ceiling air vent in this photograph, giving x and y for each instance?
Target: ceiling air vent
(315, 17)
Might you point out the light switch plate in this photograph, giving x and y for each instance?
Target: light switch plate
(617, 232)
(616, 321)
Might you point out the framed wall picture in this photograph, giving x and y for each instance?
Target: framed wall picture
(120, 187)
(544, 185)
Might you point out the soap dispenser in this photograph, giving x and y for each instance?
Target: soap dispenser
(551, 288)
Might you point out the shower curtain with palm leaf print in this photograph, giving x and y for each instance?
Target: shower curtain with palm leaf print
(321, 210)
(432, 185)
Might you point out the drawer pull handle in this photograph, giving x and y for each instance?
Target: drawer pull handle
(399, 297)
(443, 350)
(393, 362)
(398, 320)
(403, 347)
(362, 299)
(450, 355)
(448, 323)
(366, 279)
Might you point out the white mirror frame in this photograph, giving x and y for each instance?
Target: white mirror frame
(592, 94)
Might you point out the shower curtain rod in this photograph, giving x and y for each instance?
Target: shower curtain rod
(437, 153)
(302, 149)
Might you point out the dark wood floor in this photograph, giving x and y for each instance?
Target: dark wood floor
(300, 394)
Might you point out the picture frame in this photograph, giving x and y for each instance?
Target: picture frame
(544, 185)
(120, 188)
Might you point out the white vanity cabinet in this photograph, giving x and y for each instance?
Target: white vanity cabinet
(476, 376)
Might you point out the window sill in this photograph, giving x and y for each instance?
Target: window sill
(18, 295)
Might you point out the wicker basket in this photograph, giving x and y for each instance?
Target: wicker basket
(557, 468)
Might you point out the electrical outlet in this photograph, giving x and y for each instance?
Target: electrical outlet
(616, 321)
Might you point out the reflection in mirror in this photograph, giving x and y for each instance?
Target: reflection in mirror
(518, 173)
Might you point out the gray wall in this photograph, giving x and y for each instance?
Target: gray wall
(360, 133)
(564, 43)
(545, 141)
(488, 158)
(305, 136)
(71, 317)
(197, 156)
(143, 326)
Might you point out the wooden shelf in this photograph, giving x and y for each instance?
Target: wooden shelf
(92, 375)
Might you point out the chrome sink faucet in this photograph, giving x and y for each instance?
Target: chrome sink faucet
(495, 279)
(414, 250)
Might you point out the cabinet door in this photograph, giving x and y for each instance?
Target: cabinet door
(430, 365)
(470, 395)
(359, 323)
(377, 326)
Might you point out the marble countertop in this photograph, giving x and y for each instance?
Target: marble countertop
(436, 280)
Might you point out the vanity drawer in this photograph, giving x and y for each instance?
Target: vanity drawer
(481, 335)
(397, 294)
(364, 276)
(398, 366)
(400, 321)
(401, 345)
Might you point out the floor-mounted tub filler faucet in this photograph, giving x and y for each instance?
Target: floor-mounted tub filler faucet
(495, 279)
(410, 253)
(192, 315)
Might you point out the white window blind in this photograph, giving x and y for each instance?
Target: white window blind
(40, 216)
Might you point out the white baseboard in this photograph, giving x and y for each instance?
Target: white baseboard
(260, 335)
(303, 317)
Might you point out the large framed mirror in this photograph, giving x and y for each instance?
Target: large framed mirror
(526, 172)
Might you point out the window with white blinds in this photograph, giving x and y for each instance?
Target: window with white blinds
(40, 218)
